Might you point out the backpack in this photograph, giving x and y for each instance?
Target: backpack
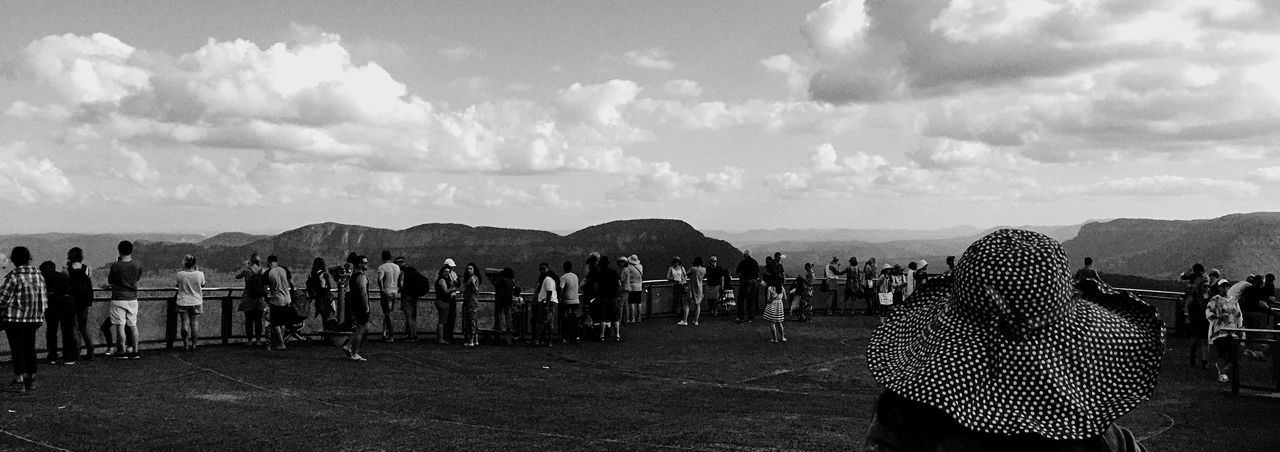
(81, 286)
(415, 284)
(315, 286)
(255, 284)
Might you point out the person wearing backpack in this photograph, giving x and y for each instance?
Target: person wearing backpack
(415, 286)
(319, 290)
(78, 276)
(255, 289)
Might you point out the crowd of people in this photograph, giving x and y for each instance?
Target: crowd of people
(1212, 305)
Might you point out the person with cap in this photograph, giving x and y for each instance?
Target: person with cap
(830, 280)
(717, 282)
(1223, 311)
(446, 311)
(679, 279)
(1010, 357)
(922, 273)
(633, 284)
(854, 285)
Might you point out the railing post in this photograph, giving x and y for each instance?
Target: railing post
(228, 311)
(648, 301)
(170, 321)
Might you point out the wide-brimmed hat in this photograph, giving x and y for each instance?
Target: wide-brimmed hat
(633, 259)
(1012, 349)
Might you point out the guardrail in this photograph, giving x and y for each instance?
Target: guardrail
(1251, 337)
(157, 317)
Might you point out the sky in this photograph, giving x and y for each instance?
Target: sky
(215, 116)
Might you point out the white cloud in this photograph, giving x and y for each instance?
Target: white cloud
(598, 104)
(30, 180)
(796, 73)
(1166, 186)
(659, 182)
(460, 52)
(136, 167)
(655, 58)
(86, 69)
(1270, 175)
(682, 88)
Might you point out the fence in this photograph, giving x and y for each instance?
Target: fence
(157, 315)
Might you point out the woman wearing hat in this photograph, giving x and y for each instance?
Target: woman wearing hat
(1010, 357)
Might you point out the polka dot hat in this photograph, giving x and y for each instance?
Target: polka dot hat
(1011, 348)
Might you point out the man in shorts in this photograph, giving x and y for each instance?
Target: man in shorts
(123, 281)
(279, 289)
(190, 301)
(358, 307)
(390, 278)
(717, 281)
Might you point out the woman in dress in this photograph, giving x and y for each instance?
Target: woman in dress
(775, 313)
(802, 290)
(697, 273)
(1223, 312)
(470, 306)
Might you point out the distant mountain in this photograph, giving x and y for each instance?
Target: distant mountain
(1238, 245)
(232, 239)
(426, 246)
(757, 237)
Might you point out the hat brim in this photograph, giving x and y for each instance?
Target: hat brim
(1069, 380)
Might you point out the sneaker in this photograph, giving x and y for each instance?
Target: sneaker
(69, 363)
(17, 387)
(29, 383)
(1222, 378)
(357, 357)
(54, 359)
(695, 323)
(682, 323)
(121, 355)
(135, 355)
(347, 349)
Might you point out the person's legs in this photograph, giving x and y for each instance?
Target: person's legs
(753, 302)
(82, 327)
(194, 326)
(357, 339)
(742, 301)
(387, 302)
(442, 316)
(184, 326)
(14, 332)
(409, 307)
(67, 324)
(252, 326)
(51, 333)
(451, 321)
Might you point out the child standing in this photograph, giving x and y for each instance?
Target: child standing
(1223, 312)
(775, 313)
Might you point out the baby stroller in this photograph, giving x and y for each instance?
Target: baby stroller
(728, 302)
(296, 321)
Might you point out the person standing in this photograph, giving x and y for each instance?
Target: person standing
(1086, 272)
(544, 305)
(342, 278)
(717, 282)
(414, 288)
(445, 292)
(190, 302)
(910, 276)
(22, 303)
(251, 302)
(830, 281)
(679, 280)
(455, 293)
(697, 275)
(854, 287)
(470, 305)
(59, 313)
(357, 307)
(569, 305)
(633, 283)
(1223, 311)
(871, 285)
(775, 313)
(504, 293)
(389, 281)
(279, 290)
(81, 286)
(802, 307)
(607, 286)
(123, 280)
(320, 290)
(748, 273)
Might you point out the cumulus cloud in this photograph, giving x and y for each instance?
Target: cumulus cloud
(682, 88)
(29, 180)
(655, 58)
(393, 189)
(831, 174)
(1055, 81)
(1270, 175)
(797, 74)
(460, 52)
(659, 182)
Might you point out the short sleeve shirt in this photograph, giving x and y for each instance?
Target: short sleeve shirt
(389, 277)
(278, 284)
(569, 283)
(189, 288)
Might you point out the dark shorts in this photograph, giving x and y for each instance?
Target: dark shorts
(1223, 346)
(191, 310)
(606, 310)
(282, 314)
(634, 297)
(359, 310)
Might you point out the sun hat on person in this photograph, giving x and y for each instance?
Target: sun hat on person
(886, 267)
(633, 259)
(449, 263)
(622, 259)
(1012, 349)
(922, 264)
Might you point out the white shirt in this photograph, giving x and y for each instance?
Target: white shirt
(676, 274)
(389, 278)
(548, 285)
(189, 284)
(569, 282)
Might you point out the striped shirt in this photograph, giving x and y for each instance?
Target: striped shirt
(22, 296)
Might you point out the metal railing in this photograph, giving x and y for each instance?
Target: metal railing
(160, 326)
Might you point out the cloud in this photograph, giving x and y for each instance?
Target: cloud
(654, 58)
(30, 180)
(1270, 175)
(598, 104)
(393, 189)
(659, 182)
(87, 69)
(460, 52)
(136, 167)
(796, 73)
(1166, 186)
(682, 88)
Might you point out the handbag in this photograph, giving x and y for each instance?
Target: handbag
(886, 298)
